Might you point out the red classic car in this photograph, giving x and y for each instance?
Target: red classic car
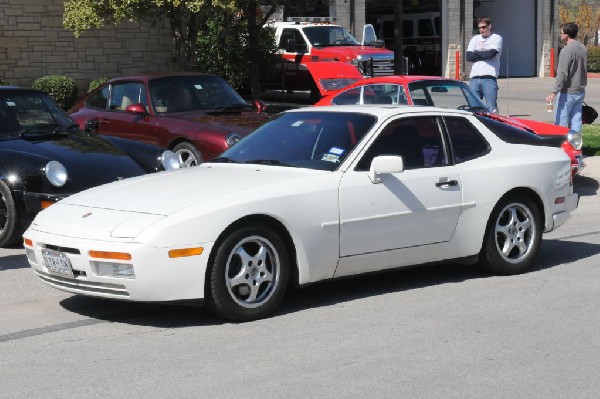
(447, 93)
(197, 116)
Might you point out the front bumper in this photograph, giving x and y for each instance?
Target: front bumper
(156, 277)
(577, 165)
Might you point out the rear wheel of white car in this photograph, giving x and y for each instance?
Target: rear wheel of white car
(513, 236)
(8, 217)
(188, 154)
(249, 274)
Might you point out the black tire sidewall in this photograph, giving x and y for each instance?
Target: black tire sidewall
(491, 259)
(8, 235)
(219, 300)
(191, 148)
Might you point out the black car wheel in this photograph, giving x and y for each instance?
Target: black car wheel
(188, 154)
(249, 274)
(8, 217)
(513, 236)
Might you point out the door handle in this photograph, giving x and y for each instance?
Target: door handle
(448, 183)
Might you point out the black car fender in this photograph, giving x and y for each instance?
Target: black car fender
(146, 155)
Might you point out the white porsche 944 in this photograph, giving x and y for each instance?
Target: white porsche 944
(315, 194)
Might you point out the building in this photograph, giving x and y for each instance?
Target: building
(33, 42)
(529, 34)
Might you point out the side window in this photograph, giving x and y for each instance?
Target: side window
(351, 96)
(123, 95)
(385, 94)
(466, 141)
(425, 28)
(291, 37)
(407, 28)
(99, 99)
(417, 140)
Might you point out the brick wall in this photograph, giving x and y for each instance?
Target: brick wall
(33, 43)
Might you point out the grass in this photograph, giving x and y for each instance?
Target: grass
(591, 139)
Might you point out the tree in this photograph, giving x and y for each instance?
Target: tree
(185, 17)
(586, 14)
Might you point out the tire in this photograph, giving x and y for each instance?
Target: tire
(513, 236)
(9, 231)
(188, 154)
(249, 274)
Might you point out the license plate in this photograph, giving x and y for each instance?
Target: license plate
(57, 263)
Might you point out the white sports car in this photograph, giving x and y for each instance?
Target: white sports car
(315, 194)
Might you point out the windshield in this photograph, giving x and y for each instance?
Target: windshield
(314, 140)
(330, 36)
(193, 92)
(445, 94)
(22, 111)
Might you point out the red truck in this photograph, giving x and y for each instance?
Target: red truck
(322, 57)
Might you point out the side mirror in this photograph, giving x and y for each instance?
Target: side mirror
(136, 109)
(260, 106)
(385, 164)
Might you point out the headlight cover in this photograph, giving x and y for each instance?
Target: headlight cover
(576, 139)
(56, 173)
(336, 84)
(232, 138)
(169, 160)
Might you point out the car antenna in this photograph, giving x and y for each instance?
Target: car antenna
(507, 86)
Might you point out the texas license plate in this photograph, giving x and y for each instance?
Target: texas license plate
(57, 263)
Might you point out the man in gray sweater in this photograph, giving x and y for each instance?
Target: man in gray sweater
(571, 79)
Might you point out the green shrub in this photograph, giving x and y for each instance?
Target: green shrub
(94, 84)
(3, 82)
(61, 88)
(594, 59)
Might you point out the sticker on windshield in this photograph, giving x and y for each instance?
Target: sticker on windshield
(10, 103)
(333, 155)
(198, 86)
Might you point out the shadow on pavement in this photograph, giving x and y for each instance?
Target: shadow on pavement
(584, 185)
(553, 253)
(13, 262)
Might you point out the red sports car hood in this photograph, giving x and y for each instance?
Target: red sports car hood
(342, 53)
(244, 122)
(541, 128)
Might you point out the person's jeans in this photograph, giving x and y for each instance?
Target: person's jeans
(486, 89)
(568, 110)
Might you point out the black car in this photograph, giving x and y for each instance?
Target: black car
(44, 157)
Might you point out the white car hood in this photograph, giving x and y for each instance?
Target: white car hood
(169, 192)
(123, 209)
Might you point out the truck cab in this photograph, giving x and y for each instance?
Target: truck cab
(320, 56)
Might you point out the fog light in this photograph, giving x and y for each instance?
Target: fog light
(30, 256)
(119, 270)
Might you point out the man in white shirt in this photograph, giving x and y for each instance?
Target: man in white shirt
(484, 51)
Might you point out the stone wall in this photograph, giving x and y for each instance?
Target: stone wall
(33, 43)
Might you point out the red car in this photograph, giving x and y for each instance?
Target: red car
(197, 116)
(447, 93)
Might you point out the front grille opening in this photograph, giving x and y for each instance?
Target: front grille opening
(67, 250)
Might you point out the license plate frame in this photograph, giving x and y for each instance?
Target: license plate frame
(57, 263)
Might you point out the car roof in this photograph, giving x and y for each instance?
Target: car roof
(20, 89)
(382, 110)
(399, 79)
(154, 75)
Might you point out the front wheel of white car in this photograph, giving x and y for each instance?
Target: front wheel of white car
(513, 237)
(249, 274)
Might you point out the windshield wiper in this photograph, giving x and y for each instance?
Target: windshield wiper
(222, 160)
(65, 129)
(231, 107)
(40, 129)
(269, 162)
